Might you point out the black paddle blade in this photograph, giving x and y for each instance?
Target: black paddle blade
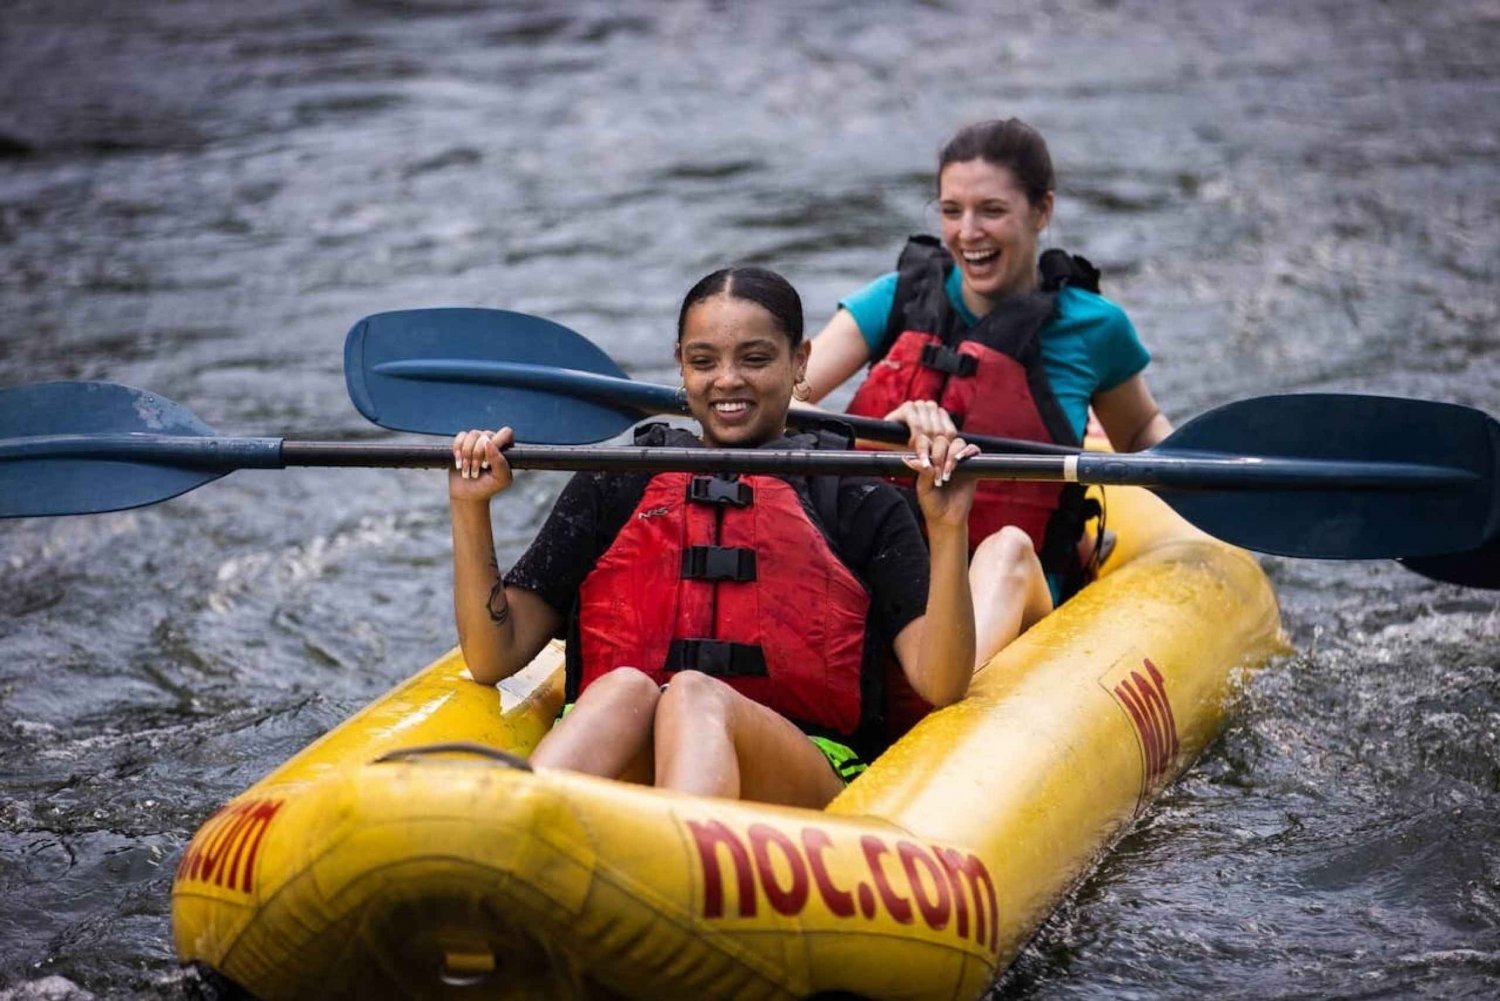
(1476, 568)
(1343, 523)
(441, 371)
(31, 486)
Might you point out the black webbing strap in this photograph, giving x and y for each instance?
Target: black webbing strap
(717, 658)
(1058, 268)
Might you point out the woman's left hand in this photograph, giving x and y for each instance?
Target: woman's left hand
(924, 417)
(944, 500)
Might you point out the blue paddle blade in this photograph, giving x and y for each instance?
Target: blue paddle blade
(435, 371)
(88, 485)
(1352, 523)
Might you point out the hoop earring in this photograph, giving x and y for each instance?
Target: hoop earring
(802, 390)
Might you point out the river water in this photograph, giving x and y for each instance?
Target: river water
(200, 198)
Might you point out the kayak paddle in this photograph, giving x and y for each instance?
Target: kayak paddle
(1369, 478)
(558, 386)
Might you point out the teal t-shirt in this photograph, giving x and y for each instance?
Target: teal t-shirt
(1088, 346)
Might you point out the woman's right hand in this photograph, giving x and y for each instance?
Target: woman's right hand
(479, 470)
(924, 418)
(944, 501)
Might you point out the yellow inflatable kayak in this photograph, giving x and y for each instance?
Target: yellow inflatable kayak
(410, 853)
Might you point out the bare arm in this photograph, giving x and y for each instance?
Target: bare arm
(936, 650)
(1131, 416)
(499, 628)
(838, 351)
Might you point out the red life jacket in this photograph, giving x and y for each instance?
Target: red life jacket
(735, 578)
(989, 377)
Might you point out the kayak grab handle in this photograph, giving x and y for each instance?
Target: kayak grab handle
(456, 747)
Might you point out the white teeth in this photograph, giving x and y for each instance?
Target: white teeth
(980, 256)
(731, 406)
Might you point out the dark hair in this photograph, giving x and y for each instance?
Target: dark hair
(761, 286)
(1010, 143)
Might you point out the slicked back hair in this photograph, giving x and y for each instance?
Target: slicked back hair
(1009, 143)
(761, 286)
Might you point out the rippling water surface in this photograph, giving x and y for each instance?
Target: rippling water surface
(199, 198)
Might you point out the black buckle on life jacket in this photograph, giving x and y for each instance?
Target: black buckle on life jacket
(718, 658)
(717, 490)
(715, 563)
(944, 359)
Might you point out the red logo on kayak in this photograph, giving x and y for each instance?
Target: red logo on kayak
(225, 850)
(942, 887)
(1142, 693)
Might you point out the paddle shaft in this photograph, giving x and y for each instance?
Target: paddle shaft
(649, 399)
(1171, 472)
(892, 432)
(1324, 476)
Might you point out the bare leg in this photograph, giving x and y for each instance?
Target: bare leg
(1010, 591)
(609, 731)
(712, 741)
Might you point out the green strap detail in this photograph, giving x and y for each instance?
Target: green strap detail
(846, 763)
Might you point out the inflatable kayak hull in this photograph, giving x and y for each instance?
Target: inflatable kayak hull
(411, 853)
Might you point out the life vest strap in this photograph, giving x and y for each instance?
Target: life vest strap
(941, 358)
(716, 563)
(716, 658)
(717, 490)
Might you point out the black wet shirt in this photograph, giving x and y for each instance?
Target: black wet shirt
(876, 536)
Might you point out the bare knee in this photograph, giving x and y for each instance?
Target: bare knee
(695, 692)
(693, 700)
(1007, 553)
(1006, 570)
(626, 686)
(609, 731)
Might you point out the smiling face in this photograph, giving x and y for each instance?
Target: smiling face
(991, 230)
(738, 366)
